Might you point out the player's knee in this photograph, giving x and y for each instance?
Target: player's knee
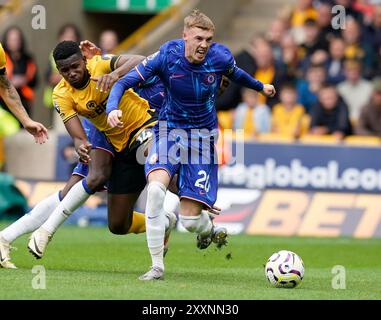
(155, 195)
(191, 223)
(97, 181)
(118, 229)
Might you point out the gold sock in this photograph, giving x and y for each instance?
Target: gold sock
(138, 224)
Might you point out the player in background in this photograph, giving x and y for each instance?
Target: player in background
(12, 99)
(191, 70)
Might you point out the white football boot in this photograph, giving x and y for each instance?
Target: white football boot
(5, 257)
(38, 242)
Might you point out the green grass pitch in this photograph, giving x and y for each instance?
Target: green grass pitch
(91, 263)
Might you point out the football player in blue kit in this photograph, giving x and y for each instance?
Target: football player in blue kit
(191, 70)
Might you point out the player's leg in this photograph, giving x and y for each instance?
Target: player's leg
(122, 219)
(31, 221)
(198, 221)
(160, 168)
(198, 183)
(158, 182)
(99, 171)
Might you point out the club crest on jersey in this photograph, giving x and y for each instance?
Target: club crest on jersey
(91, 105)
(210, 78)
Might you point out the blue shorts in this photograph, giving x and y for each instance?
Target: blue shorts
(98, 141)
(193, 157)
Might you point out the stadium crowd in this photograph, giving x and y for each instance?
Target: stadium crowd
(326, 69)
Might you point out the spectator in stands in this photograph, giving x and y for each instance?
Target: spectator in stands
(355, 48)
(268, 70)
(21, 67)
(108, 41)
(366, 8)
(330, 115)
(303, 10)
(231, 97)
(312, 42)
(275, 35)
(335, 62)
(251, 116)
(324, 22)
(378, 62)
(308, 89)
(350, 11)
(369, 123)
(355, 90)
(68, 32)
(287, 116)
(372, 32)
(290, 57)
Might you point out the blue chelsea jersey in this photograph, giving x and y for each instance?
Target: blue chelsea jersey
(190, 89)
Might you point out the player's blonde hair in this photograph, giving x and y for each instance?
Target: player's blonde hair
(199, 20)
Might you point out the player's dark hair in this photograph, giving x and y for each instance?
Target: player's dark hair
(66, 49)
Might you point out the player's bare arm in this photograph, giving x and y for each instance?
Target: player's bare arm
(12, 99)
(81, 144)
(123, 64)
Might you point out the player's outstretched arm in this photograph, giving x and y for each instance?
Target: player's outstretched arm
(148, 68)
(12, 99)
(122, 66)
(81, 144)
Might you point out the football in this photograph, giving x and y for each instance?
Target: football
(284, 269)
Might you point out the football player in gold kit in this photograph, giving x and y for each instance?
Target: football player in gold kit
(83, 91)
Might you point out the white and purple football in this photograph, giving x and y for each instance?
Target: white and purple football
(284, 269)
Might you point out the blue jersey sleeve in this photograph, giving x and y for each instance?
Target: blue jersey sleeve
(236, 74)
(142, 72)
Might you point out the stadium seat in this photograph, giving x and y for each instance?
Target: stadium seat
(275, 138)
(363, 141)
(318, 139)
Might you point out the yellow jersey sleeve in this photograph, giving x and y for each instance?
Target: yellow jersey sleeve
(2, 60)
(63, 103)
(102, 64)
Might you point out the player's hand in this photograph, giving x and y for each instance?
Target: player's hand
(83, 151)
(37, 130)
(89, 49)
(106, 81)
(114, 117)
(214, 210)
(268, 90)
